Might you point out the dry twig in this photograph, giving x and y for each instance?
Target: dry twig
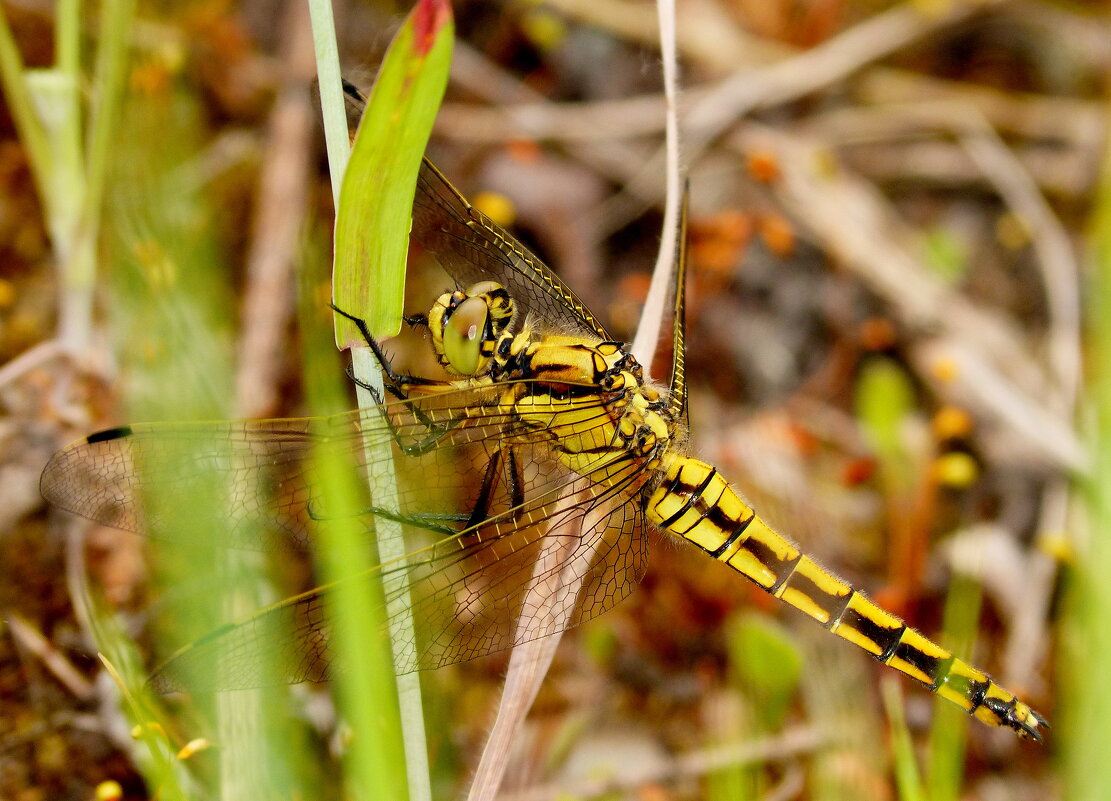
(279, 219)
(54, 660)
(694, 764)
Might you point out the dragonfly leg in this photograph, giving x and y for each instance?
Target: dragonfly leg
(397, 384)
(481, 509)
(396, 381)
(434, 431)
(513, 476)
(434, 523)
(373, 390)
(376, 395)
(428, 521)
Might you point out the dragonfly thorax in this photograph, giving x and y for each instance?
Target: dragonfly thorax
(590, 401)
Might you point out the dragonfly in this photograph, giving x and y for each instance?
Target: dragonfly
(543, 430)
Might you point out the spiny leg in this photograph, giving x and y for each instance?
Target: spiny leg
(396, 380)
(429, 522)
(481, 509)
(397, 386)
(435, 431)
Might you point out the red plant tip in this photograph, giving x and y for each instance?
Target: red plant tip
(429, 17)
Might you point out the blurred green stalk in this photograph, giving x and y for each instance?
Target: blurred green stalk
(949, 732)
(173, 304)
(1086, 632)
(69, 168)
(907, 779)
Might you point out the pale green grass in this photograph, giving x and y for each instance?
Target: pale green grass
(1085, 657)
(170, 309)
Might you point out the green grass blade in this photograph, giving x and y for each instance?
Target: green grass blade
(367, 698)
(371, 243)
(110, 79)
(172, 307)
(331, 91)
(907, 778)
(376, 201)
(884, 401)
(949, 731)
(1086, 637)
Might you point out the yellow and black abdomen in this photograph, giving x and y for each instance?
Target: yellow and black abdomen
(693, 501)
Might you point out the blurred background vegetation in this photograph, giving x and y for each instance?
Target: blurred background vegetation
(901, 225)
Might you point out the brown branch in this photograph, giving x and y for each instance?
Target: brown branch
(698, 763)
(268, 302)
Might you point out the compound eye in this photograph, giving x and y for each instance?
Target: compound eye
(463, 335)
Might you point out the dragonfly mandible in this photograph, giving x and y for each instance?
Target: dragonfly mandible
(544, 426)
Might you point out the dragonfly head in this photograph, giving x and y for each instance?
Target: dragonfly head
(466, 326)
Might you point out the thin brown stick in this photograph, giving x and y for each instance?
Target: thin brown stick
(827, 64)
(892, 142)
(1073, 123)
(528, 665)
(1027, 641)
(698, 763)
(52, 659)
(268, 301)
(1058, 265)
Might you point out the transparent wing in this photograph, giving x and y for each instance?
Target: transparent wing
(505, 543)
(262, 466)
(472, 248)
(476, 594)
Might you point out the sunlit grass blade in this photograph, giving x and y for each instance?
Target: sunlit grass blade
(376, 201)
(765, 666)
(18, 99)
(46, 105)
(169, 303)
(154, 754)
(366, 693)
(110, 78)
(330, 81)
(884, 400)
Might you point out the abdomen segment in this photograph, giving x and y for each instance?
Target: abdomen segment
(694, 502)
